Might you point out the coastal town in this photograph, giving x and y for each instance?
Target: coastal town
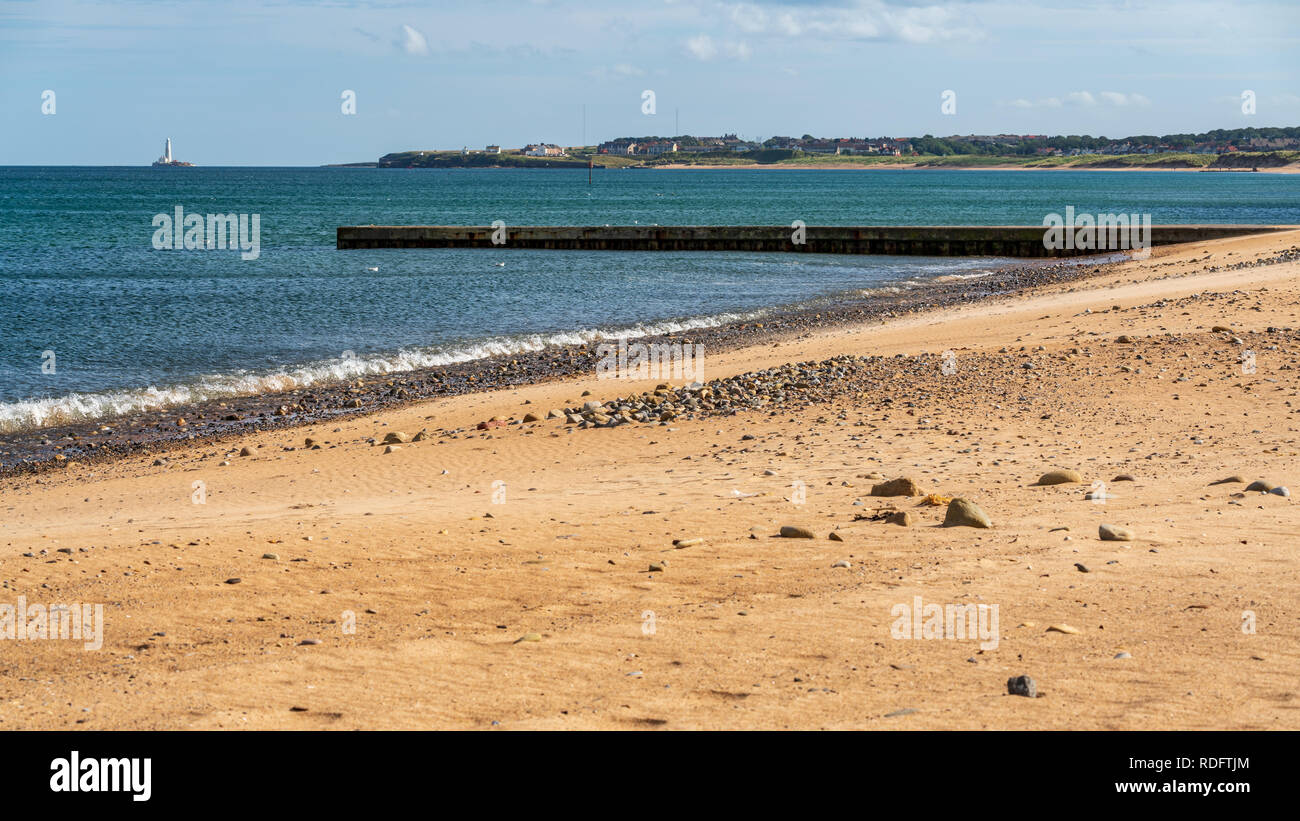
(1276, 146)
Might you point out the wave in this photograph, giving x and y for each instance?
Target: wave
(88, 407)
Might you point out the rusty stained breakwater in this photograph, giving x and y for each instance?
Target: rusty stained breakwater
(909, 240)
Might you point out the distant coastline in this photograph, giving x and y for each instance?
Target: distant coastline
(1277, 162)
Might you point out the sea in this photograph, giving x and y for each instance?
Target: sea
(96, 320)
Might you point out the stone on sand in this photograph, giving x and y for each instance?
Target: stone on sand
(796, 532)
(965, 513)
(1114, 533)
(1022, 686)
(1060, 477)
(902, 486)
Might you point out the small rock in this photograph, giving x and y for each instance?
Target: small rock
(1231, 480)
(233, 581)
(1281, 490)
(902, 518)
(1114, 533)
(271, 556)
(1059, 477)
(903, 486)
(842, 563)
(1261, 485)
(1022, 686)
(1082, 568)
(795, 532)
(1123, 654)
(247, 451)
(396, 437)
(1062, 628)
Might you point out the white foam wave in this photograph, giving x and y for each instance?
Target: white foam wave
(84, 407)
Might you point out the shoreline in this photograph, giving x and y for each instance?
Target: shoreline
(154, 432)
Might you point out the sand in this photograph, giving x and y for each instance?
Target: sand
(534, 607)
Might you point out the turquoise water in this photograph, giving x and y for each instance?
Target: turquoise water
(130, 326)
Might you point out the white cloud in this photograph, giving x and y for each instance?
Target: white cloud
(1082, 98)
(1119, 99)
(701, 47)
(413, 41)
(859, 20)
(704, 47)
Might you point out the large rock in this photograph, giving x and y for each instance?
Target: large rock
(965, 513)
(1060, 477)
(903, 486)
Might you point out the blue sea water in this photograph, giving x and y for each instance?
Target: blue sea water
(131, 326)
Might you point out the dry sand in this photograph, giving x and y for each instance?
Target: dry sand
(736, 632)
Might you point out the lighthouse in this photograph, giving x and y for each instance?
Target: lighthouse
(166, 161)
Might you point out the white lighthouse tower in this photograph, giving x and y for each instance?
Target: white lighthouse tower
(166, 161)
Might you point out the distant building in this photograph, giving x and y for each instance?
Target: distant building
(493, 149)
(543, 150)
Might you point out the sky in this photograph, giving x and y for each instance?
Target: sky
(264, 83)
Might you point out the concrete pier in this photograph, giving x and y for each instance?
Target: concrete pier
(909, 240)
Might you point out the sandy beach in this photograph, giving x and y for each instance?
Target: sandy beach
(525, 576)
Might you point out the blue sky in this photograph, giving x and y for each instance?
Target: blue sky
(253, 83)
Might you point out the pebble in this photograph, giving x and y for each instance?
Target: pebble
(1082, 568)
(1281, 490)
(233, 581)
(1062, 628)
(842, 563)
(1124, 654)
(271, 556)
